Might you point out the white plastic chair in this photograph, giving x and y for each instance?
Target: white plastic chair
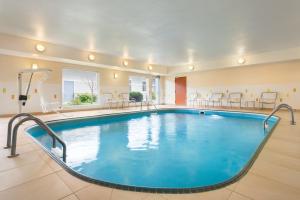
(268, 98)
(124, 97)
(216, 98)
(235, 98)
(48, 107)
(194, 97)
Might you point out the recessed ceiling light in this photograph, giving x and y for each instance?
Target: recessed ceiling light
(125, 63)
(91, 57)
(34, 66)
(40, 48)
(241, 60)
(150, 67)
(191, 67)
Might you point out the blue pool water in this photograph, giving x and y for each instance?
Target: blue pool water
(168, 149)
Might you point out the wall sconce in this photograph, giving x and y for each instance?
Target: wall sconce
(34, 66)
(115, 75)
(40, 48)
(125, 63)
(91, 57)
(191, 67)
(241, 60)
(150, 67)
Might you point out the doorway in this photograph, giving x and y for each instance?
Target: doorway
(180, 90)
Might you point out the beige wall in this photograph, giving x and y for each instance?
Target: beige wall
(11, 65)
(278, 73)
(17, 53)
(20, 46)
(251, 80)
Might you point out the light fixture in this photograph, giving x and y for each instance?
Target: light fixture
(241, 60)
(125, 63)
(115, 75)
(191, 67)
(34, 66)
(91, 57)
(40, 47)
(150, 67)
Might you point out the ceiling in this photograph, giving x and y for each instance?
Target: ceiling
(169, 32)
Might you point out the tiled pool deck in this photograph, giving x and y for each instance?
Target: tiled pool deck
(34, 175)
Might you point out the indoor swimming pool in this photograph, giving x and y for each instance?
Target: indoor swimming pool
(171, 150)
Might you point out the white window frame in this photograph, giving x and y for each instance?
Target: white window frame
(96, 104)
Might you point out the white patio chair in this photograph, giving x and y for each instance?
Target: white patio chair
(109, 100)
(124, 97)
(235, 98)
(193, 98)
(48, 107)
(268, 98)
(216, 98)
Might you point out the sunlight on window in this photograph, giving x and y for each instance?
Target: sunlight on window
(80, 87)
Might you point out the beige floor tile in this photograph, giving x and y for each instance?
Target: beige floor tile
(290, 138)
(127, 195)
(20, 149)
(70, 197)
(232, 186)
(235, 196)
(290, 133)
(154, 197)
(23, 174)
(52, 163)
(278, 173)
(22, 159)
(257, 187)
(46, 188)
(94, 192)
(25, 140)
(22, 139)
(279, 159)
(36, 146)
(214, 194)
(281, 151)
(71, 181)
(285, 147)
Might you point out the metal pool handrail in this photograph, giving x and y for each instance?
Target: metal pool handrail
(283, 105)
(44, 126)
(148, 102)
(9, 127)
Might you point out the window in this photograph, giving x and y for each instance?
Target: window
(129, 85)
(144, 86)
(139, 84)
(79, 87)
(156, 89)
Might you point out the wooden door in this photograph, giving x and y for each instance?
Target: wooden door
(180, 91)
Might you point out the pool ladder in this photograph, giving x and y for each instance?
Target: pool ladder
(148, 104)
(12, 135)
(283, 105)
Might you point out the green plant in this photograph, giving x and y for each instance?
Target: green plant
(137, 96)
(75, 101)
(84, 98)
